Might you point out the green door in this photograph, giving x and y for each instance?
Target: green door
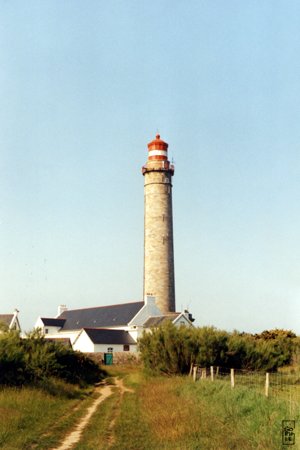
(108, 359)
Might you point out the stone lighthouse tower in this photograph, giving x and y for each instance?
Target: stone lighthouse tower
(158, 227)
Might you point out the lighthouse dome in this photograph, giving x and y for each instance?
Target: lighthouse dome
(158, 149)
(157, 144)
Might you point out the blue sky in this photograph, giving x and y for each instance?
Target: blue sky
(84, 86)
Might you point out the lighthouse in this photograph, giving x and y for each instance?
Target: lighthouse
(158, 226)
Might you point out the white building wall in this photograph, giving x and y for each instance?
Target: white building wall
(83, 343)
(182, 320)
(136, 332)
(51, 330)
(116, 348)
(72, 335)
(39, 324)
(15, 325)
(148, 310)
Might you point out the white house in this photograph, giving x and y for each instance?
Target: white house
(104, 340)
(178, 319)
(49, 325)
(11, 321)
(114, 328)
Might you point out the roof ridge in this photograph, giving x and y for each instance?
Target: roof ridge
(166, 315)
(98, 307)
(52, 318)
(103, 328)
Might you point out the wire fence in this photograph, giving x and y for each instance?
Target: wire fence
(280, 385)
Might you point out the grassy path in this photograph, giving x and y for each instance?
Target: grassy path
(140, 412)
(104, 392)
(72, 438)
(177, 414)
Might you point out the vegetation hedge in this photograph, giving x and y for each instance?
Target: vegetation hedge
(34, 359)
(172, 350)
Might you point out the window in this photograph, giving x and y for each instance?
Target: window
(46, 331)
(110, 350)
(126, 348)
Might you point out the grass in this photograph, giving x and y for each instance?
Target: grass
(31, 418)
(284, 385)
(160, 413)
(243, 418)
(101, 433)
(176, 413)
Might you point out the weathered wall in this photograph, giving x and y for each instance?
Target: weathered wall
(119, 358)
(158, 229)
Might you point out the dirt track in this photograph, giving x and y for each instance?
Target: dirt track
(105, 391)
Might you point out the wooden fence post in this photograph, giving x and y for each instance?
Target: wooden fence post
(267, 384)
(212, 373)
(232, 378)
(195, 373)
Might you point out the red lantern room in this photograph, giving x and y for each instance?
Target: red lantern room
(158, 149)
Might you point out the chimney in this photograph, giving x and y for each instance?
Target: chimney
(149, 299)
(188, 315)
(61, 309)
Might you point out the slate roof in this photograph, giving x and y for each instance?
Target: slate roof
(159, 320)
(106, 336)
(6, 319)
(50, 322)
(101, 316)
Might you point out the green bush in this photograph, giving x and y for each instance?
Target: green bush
(13, 369)
(212, 346)
(35, 359)
(171, 350)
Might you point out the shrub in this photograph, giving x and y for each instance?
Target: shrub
(168, 349)
(171, 350)
(212, 346)
(35, 359)
(13, 369)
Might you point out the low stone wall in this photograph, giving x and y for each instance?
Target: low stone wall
(119, 358)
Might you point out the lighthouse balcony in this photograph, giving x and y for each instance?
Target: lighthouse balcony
(164, 166)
